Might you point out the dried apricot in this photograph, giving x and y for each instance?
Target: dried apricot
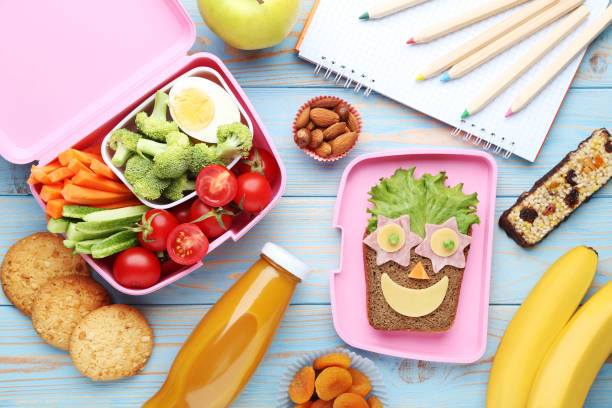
(332, 360)
(361, 384)
(350, 400)
(307, 404)
(302, 385)
(374, 402)
(332, 382)
(322, 404)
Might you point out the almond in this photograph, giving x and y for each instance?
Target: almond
(334, 130)
(310, 125)
(343, 111)
(316, 138)
(353, 123)
(343, 143)
(303, 118)
(327, 102)
(323, 117)
(302, 137)
(324, 150)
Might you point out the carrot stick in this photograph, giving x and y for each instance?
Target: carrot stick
(103, 170)
(89, 196)
(40, 176)
(51, 191)
(86, 179)
(77, 166)
(32, 180)
(54, 207)
(48, 168)
(83, 157)
(60, 174)
(119, 204)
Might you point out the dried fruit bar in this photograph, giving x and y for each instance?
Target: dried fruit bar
(556, 195)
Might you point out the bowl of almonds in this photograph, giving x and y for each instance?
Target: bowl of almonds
(326, 128)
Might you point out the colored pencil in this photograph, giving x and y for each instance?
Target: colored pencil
(529, 59)
(511, 39)
(385, 8)
(488, 36)
(464, 19)
(547, 74)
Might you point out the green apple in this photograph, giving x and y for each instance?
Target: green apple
(250, 24)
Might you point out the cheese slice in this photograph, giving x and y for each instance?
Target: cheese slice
(413, 302)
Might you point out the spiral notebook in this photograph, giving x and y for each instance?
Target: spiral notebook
(373, 55)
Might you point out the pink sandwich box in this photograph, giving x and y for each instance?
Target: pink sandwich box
(77, 68)
(466, 340)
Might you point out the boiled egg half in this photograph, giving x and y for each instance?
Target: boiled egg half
(200, 106)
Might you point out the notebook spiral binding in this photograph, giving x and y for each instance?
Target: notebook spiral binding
(476, 136)
(351, 78)
(360, 81)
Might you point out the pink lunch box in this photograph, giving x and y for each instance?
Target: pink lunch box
(99, 60)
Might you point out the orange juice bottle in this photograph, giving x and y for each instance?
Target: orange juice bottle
(225, 348)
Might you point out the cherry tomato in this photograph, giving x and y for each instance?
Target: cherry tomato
(259, 161)
(169, 267)
(212, 221)
(187, 244)
(181, 212)
(254, 192)
(216, 185)
(136, 268)
(154, 229)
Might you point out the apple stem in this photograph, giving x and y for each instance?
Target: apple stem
(260, 1)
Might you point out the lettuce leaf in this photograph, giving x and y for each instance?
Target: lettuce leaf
(426, 200)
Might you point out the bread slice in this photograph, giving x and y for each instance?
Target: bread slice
(382, 317)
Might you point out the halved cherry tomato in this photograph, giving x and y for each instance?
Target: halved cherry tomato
(154, 228)
(259, 161)
(216, 185)
(212, 221)
(187, 244)
(136, 268)
(181, 212)
(254, 192)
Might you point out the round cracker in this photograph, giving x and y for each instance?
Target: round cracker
(31, 262)
(61, 303)
(111, 342)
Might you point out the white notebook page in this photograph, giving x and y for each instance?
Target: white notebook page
(375, 54)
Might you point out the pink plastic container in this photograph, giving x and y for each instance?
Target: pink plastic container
(98, 60)
(466, 341)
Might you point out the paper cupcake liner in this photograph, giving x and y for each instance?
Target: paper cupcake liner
(311, 153)
(365, 365)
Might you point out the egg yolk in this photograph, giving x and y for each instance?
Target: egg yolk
(193, 109)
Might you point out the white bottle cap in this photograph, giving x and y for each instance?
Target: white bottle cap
(286, 260)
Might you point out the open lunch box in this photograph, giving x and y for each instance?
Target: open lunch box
(95, 71)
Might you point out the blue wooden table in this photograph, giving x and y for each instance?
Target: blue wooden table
(277, 82)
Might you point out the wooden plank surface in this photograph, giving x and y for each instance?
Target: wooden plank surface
(34, 374)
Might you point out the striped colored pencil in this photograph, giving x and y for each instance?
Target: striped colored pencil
(463, 20)
(583, 39)
(386, 8)
(535, 54)
(468, 48)
(511, 39)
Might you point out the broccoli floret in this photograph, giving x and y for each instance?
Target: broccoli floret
(172, 162)
(233, 139)
(177, 139)
(136, 168)
(150, 187)
(156, 126)
(150, 147)
(175, 190)
(201, 155)
(121, 142)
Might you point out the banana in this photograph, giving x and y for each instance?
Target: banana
(572, 362)
(545, 311)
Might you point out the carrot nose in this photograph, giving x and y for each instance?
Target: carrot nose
(418, 272)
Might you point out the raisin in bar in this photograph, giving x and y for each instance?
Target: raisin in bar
(556, 195)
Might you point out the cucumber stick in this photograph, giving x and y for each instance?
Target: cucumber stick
(115, 243)
(99, 229)
(119, 213)
(84, 247)
(68, 243)
(79, 211)
(57, 226)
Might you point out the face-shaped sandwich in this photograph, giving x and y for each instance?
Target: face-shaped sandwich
(414, 267)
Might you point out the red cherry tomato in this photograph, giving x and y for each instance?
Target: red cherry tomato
(260, 161)
(136, 268)
(216, 185)
(154, 229)
(181, 212)
(187, 244)
(169, 267)
(212, 221)
(254, 192)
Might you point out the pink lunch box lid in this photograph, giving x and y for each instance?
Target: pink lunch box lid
(74, 65)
